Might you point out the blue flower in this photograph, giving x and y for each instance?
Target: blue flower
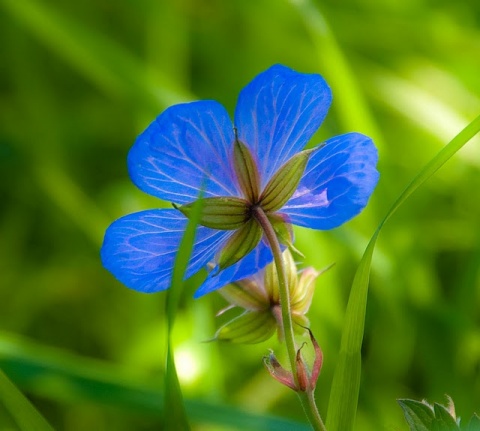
(190, 147)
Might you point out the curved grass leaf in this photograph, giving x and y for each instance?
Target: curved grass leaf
(175, 414)
(346, 382)
(68, 379)
(24, 414)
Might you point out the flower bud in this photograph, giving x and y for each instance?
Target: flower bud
(249, 328)
(306, 380)
(259, 295)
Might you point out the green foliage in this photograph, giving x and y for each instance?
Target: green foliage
(421, 416)
(79, 81)
(346, 383)
(25, 416)
(75, 380)
(474, 424)
(177, 419)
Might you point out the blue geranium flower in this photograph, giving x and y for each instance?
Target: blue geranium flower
(192, 147)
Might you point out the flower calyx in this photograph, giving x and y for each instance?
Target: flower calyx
(240, 213)
(284, 182)
(305, 380)
(242, 242)
(223, 213)
(247, 172)
(259, 297)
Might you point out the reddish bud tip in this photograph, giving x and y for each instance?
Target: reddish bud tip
(278, 372)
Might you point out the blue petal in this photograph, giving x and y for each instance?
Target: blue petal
(337, 183)
(140, 249)
(277, 114)
(187, 148)
(249, 265)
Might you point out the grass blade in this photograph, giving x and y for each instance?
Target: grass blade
(176, 416)
(346, 382)
(25, 415)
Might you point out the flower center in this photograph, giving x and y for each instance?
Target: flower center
(249, 215)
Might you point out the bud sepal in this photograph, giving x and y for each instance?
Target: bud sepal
(222, 213)
(307, 380)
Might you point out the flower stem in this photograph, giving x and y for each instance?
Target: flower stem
(308, 402)
(272, 239)
(306, 398)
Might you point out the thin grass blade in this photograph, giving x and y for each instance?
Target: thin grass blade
(176, 416)
(25, 415)
(346, 382)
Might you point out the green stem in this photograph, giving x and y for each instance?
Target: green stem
(272, 239)
(310, 408)
(306, 398)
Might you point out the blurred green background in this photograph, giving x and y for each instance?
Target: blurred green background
(80, 80)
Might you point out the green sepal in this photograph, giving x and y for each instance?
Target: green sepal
(245, 294)
(271, 277)
(246, 170)
(250, 327)
(283, 184)
(301, 298)
(242, 242)
(271, 284)
(223, 213)
(284, 232)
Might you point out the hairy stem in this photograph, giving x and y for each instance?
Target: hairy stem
(287, 322)
(306, 398)
(311, 411)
